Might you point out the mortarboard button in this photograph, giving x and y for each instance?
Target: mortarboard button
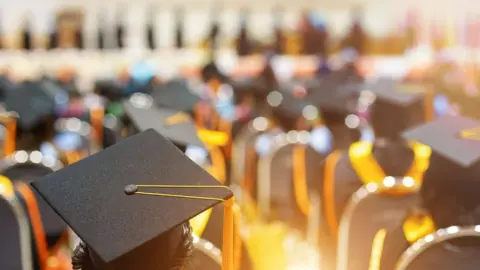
(131, 189)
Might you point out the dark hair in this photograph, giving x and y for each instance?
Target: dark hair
(82, 257)
(389, 121)
(450, 193)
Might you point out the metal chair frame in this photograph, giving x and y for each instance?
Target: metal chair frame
(24, 230)
(359, 196)
(438, 237)
(208, 249)
(264, 187)
(239, 151)
(24, 157)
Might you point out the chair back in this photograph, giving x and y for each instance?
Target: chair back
(206, 256)
(15, 244)
(439, 250)
(371, 208)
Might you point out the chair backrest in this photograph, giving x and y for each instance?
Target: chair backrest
(277, 181)
(206, 256)
(239, 151)
(25, 167)
(15, 244)
(433, 250)
(371, 208)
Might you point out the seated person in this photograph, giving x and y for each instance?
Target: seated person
(447, 197)
(389, 155)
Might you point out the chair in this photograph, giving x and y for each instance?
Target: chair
(15, 246)
(371, 208)
(239, 151)
(24, 167)
(282, 183)
(433, 251)
(9, 121)
(205, 255)
(22, 163)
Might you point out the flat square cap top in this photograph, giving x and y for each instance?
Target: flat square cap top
(32, 102)
(453, 137)
(396, 92)
(91, 195)
(145, 115)
(341, 98)
(177, 95)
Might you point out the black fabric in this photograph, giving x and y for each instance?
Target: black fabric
(384, 212)
(10, 254)
(346, 183)
(443, 135)
(32, 103)
(175, 94)
(284, 205)
(53, 225)
(447, 256)
(183, 133)
(393, 247)
(89, 195)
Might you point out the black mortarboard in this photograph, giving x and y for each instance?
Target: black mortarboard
(397, 106)
(32, 102)
(339, 99)
(287, 109)
(6, 85)
(122, 202)
(176, 95)
(211, 71)
(110, 89)
(453, 137)
(176, 126)
(452, 176)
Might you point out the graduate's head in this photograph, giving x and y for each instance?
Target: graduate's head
(397, 107)
(179, 255)
(449, 189)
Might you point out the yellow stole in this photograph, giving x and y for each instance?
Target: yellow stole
(369, 171)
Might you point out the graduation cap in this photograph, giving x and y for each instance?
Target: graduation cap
(176, 126)
(177, 95)
(287, 109)
(456, 138)
(33, 102)
(455, 161)
(397, 106)
(129, 203)
(111, 89)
